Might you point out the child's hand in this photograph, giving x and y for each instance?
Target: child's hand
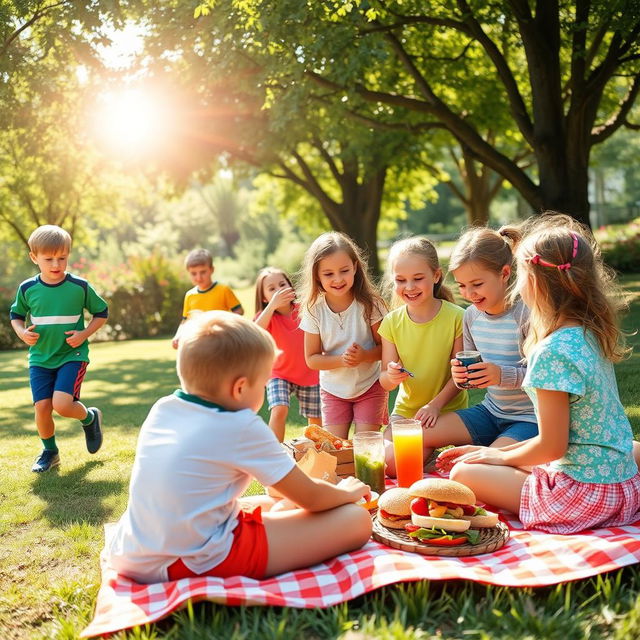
(174, 343)
(447, 458)
(281, 297)
(76, 338)
(484, 374)
(428, 415)
(458, 372)
(394, 374)
(354, 488)
(353, 356)
(29, 336)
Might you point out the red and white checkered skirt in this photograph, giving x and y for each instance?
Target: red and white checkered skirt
(554, 502)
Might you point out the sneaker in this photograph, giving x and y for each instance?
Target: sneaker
(45, 461)
(93, 431)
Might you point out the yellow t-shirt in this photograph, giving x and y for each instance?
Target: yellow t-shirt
(216, 297)
(425, 350)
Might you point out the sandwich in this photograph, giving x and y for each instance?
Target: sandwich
(394, 508)
(443, 512)
(325, 440)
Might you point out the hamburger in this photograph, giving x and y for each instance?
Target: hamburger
(394, 508)
(443, 511)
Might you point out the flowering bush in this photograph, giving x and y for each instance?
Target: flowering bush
(620, 245)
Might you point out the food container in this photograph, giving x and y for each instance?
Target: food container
(344, 457)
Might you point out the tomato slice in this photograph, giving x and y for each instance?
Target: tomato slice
(411, 527)
(469, 509)
(445, 541)
(420, 507)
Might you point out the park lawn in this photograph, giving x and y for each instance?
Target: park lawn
(51, 532)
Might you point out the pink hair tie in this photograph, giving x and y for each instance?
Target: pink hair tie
(561, 267)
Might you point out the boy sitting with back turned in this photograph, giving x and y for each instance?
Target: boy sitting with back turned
(198, 451)
(55, 301)
(206, 295)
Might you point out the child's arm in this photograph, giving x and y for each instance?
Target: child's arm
(355, 354)
(25, 333)
(76, 338)
(176, 337)
(391, 376)
(429, 413)
(315, 358)
(550, 444)
(279, 298)
(318, 495)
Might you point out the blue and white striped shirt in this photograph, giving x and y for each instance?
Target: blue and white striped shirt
(499, 339)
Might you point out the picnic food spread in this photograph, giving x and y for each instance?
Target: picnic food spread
(370, 504)
(443, 513)
(325, 440)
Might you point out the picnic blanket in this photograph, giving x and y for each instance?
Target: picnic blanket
(528, 559)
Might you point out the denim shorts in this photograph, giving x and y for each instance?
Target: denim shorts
(484, 427)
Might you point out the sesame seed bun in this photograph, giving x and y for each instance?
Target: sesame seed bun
(442, 490)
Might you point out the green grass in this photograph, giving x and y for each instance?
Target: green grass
(51, 532)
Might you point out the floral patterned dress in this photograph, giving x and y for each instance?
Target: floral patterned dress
(596, 483)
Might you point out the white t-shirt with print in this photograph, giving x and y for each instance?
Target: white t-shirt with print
(338, 331)
(193, 461)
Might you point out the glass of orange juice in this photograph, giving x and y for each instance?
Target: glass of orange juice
(407, 450)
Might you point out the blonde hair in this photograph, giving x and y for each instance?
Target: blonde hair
(576, 289)
(49, 237)
(425, 249)
(198, 257)
(325, 245)
(217, 346)
(262, 274)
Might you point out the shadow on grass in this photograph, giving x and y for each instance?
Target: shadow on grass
(72, 496)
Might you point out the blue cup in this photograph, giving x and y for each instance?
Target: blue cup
(466, 358)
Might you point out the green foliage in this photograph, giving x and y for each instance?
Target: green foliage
(620, 245)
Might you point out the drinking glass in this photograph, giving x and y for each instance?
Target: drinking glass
(368, 454)
(407, 449)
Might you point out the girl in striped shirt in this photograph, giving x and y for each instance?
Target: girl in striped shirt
(481, 264)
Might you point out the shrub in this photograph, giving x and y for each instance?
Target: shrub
(620, 245)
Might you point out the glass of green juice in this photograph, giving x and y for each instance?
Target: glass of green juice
(368, 454)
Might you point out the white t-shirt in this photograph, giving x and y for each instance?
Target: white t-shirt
(193, 461)
(338, 331)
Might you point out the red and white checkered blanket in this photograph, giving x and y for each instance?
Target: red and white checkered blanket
(528, 559)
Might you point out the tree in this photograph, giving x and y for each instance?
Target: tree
(568, 70)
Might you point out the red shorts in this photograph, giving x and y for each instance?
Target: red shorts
(370, 407)
(248, 556)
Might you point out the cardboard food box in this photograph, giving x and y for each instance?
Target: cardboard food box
(344, 457)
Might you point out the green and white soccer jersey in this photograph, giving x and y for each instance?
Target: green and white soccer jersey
(54, 309)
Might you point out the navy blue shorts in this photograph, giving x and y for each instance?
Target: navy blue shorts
(67, 378)
(484, 427)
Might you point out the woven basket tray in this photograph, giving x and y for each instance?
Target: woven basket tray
(490, 540)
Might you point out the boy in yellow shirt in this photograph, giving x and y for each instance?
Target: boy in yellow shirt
(207, 294)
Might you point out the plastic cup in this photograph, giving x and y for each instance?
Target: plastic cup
(407, 450)
(466, 358)
(368, 455)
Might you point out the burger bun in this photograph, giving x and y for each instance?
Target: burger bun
(482, 522)
(448, 524)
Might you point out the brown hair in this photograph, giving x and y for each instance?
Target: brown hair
(323, 246)
(425, 249)
(49, 237)
(262, 274)
(490, 248)
(198, 257)
(576, 289)
(217, 345)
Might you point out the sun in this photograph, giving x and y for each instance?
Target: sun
(129, 120)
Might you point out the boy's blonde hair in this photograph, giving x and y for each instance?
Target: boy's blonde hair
(218, 345)
(322, 247)
(261, 305)
(51, 238)
(198, 257)
(568, 282)
(425, 249)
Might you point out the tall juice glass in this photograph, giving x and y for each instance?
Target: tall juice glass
(368, 454)
(407, 449)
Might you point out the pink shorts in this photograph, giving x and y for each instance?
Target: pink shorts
(248, 556)
(370, 407)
